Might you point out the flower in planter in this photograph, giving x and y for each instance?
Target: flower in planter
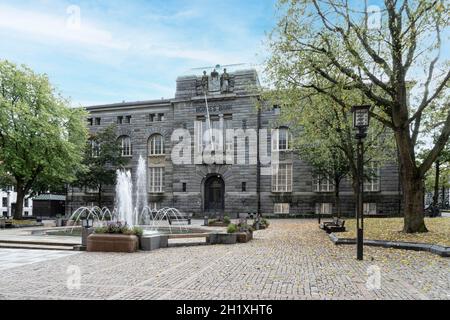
(232, 228)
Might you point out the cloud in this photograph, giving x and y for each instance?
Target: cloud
(47, 28)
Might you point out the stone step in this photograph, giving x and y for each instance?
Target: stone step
(39, 243)
(34, 247)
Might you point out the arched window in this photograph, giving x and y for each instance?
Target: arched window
(156, 145)
(281, 139)
(125, 145)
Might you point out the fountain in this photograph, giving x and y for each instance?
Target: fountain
(124, 203)
(141, 187)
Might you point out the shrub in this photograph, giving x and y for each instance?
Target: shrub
(226, 220)
(265, 222)
(231, 228)
(138, 231)
(118, 228)
(101, 230)
(244, 227)
(212, 221)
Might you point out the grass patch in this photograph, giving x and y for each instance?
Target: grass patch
(390, 229)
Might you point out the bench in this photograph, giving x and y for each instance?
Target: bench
(179, 219)
(337, 225)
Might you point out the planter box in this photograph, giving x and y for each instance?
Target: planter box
(218, 224)
(149, 243)
(244, 237)
(112, 243)
(222, 238)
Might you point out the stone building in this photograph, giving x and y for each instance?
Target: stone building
(242, 182)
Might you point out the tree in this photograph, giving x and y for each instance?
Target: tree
(102, 158)
(387, 54)
(323, 135)
(42, 139)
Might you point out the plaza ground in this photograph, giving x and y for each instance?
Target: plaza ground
(292, 259)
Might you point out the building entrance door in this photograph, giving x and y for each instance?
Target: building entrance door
(214, 194)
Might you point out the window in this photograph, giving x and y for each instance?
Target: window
(156, 145)
(156, 176)
(372, 181)
(244, 186)
(128, 119)
(125, 144)
(323, 184)
(5, 213)
(280, 139)
(27, 203)
(324, 208)
(244, 124)
(90, 121)
(98, 121)
(282, 177)
(119, 120)
(154, 117)
(281, 208)
(154, 206)
(370, 208)
(276, 110)
(4, 202)
(184, 186)
(95, 149)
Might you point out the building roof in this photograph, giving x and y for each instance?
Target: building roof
(54, 197)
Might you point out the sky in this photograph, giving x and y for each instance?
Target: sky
(98, 52)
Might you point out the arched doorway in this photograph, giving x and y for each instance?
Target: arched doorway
(214, 194)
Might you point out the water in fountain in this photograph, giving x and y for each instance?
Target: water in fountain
(124, 203)
(141, 187)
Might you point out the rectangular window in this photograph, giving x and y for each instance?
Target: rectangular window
(282, 177)
(160, 116)
(370, 208)
(281, 139)
(281, 208)
(128, 119)
(276, 110)
(151, 117)
(184, 186)
(90, 121)
(156, 176)
(244, 186)
(27, 203)
(4, 202)
(324, 208)
(154, 206)
(372, 180)
(119, 120)
(126, 147)
(98, 121)
(322, 184)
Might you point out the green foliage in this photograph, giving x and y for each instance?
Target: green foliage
(42, 139)
(212, 221)
(232, 228)
(265, 222)
(100, 166)
(226, 220)
(118, 228)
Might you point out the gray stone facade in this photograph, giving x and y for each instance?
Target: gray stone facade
(246, 189)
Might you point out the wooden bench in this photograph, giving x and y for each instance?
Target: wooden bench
(337, 225)
(179, 219)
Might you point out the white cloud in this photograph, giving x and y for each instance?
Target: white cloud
(55, 28)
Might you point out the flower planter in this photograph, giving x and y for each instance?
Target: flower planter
(244, 237)
(112, 243)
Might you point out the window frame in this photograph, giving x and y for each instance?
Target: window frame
(282, 206)
(277, 186)
(152, 146)
(152, 176)
(124, 147)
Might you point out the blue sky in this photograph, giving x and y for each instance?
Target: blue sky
(130, 50)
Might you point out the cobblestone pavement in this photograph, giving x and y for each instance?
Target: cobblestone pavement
(293, 259)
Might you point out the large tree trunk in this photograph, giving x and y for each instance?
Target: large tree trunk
(18, 213)
(413, 186)
(413, 193)
(337, 198)
(436, 185)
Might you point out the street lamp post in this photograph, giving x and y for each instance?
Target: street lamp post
(361, 120)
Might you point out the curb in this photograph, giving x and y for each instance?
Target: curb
(433, 248)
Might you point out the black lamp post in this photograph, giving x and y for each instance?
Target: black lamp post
(361, 121)
(87, 223)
